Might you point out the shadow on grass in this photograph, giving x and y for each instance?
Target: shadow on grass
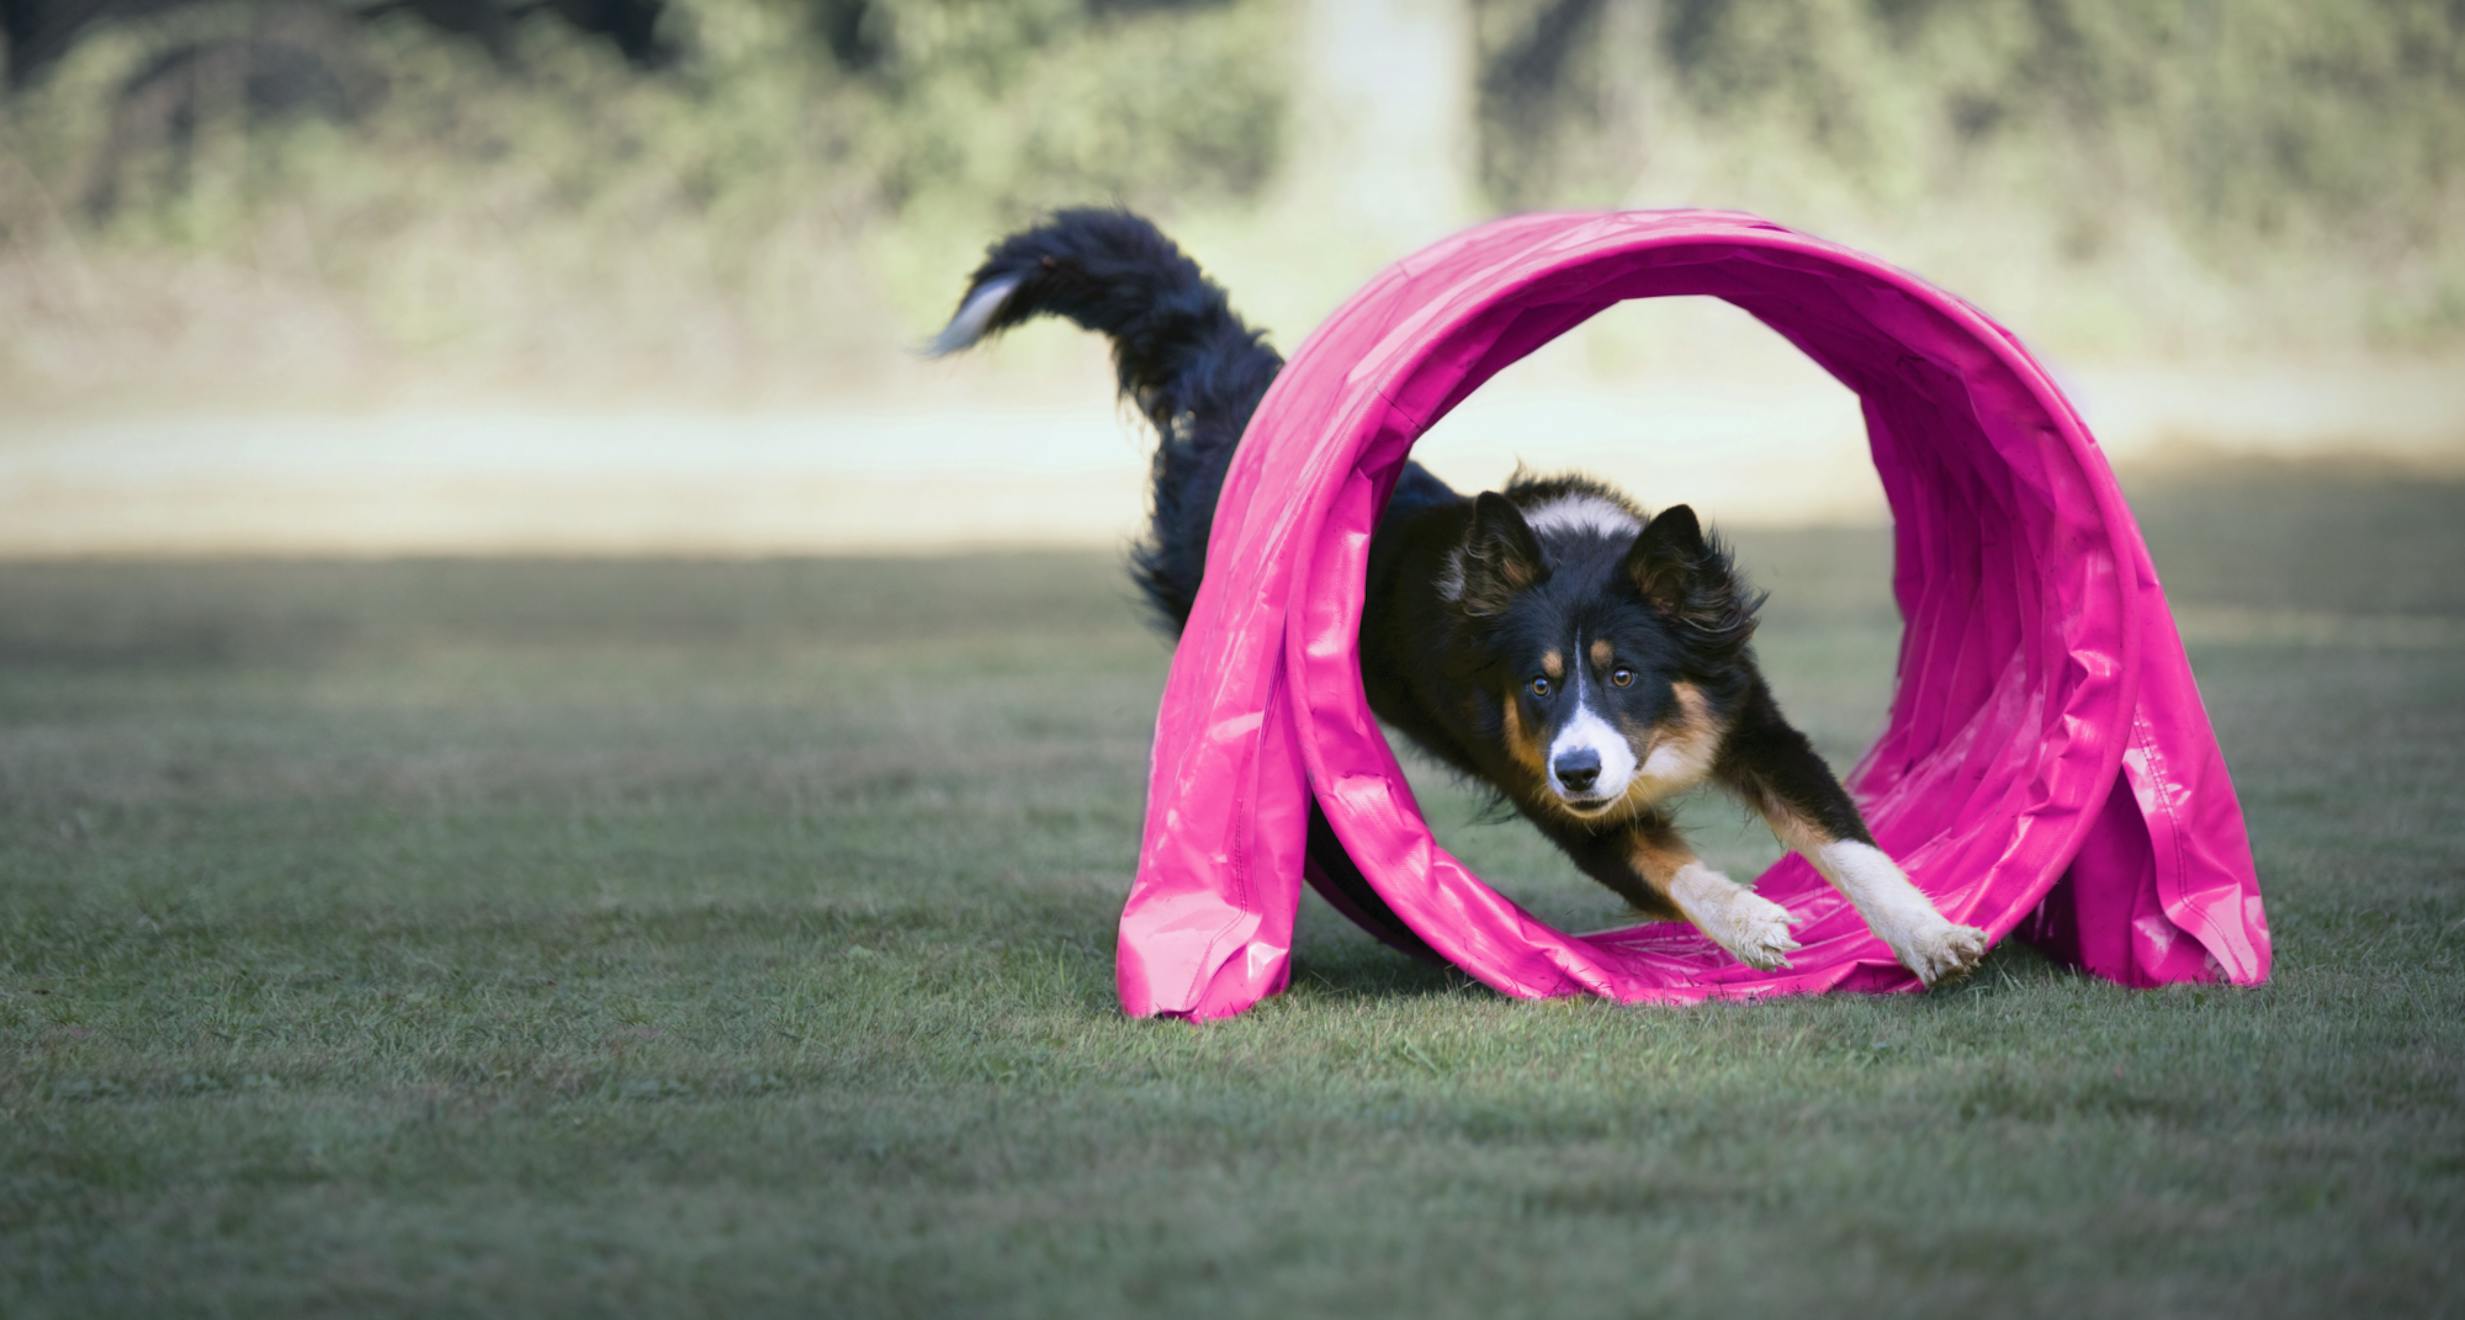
(1360, 968)
(1350, 966)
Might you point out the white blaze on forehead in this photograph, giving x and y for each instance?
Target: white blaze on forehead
(1581, 513)
(1586, 730)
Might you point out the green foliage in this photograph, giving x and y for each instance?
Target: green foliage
(2246, 133)
(2248, 116)
(715, 221)
(2262, 177)
(1003, 108)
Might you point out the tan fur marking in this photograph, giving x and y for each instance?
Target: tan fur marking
(1554, 665)
(1657, 857)
(1691, 703)
(1680, 753)
(1601, 654)
(1520, 743)
(1795, 832)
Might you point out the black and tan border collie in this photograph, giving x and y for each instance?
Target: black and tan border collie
(1584, 660)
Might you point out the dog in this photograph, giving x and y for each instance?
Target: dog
(1585, 660)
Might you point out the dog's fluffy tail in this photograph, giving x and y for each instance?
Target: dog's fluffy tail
(1179, 349)
(1188, 363)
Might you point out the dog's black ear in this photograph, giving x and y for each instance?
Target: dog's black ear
(1499, 557)
(1688, 577)
(1664, 557)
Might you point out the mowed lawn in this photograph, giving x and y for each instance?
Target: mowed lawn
(536, 938)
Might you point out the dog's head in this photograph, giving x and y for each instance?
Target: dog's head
(1613, 645)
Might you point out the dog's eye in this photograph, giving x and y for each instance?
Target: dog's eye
(1540, 687)
(1621, 677)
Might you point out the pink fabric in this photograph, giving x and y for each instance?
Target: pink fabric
(2047, 767)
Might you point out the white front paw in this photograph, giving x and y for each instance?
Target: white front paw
(1757, 931)
(1941, 952)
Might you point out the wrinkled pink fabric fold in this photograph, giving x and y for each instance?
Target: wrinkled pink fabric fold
(2047, 767)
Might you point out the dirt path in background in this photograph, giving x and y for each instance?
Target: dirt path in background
(924, 477)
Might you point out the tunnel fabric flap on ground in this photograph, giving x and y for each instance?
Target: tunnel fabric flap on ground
(2047, 767)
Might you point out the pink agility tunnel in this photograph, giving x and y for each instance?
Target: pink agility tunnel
(2047, 769)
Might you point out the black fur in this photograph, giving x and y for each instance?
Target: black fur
(1470, 601)
(1181, 355)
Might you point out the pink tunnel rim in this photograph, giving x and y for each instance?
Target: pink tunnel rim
(2110, 698)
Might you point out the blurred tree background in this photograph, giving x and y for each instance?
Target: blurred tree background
(766, 199)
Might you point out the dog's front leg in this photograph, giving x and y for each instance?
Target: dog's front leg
(1657, 872)
(1813, 815)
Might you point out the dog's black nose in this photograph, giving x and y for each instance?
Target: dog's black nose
(1578, 769)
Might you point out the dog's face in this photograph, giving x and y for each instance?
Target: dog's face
(1599, 637)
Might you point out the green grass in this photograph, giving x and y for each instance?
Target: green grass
(519, 938)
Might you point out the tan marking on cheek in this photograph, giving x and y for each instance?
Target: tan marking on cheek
(1520, 744)
(1695, 729)
(1690, 737)
(1554, 665)
(1601, 654)
(1693, 707)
